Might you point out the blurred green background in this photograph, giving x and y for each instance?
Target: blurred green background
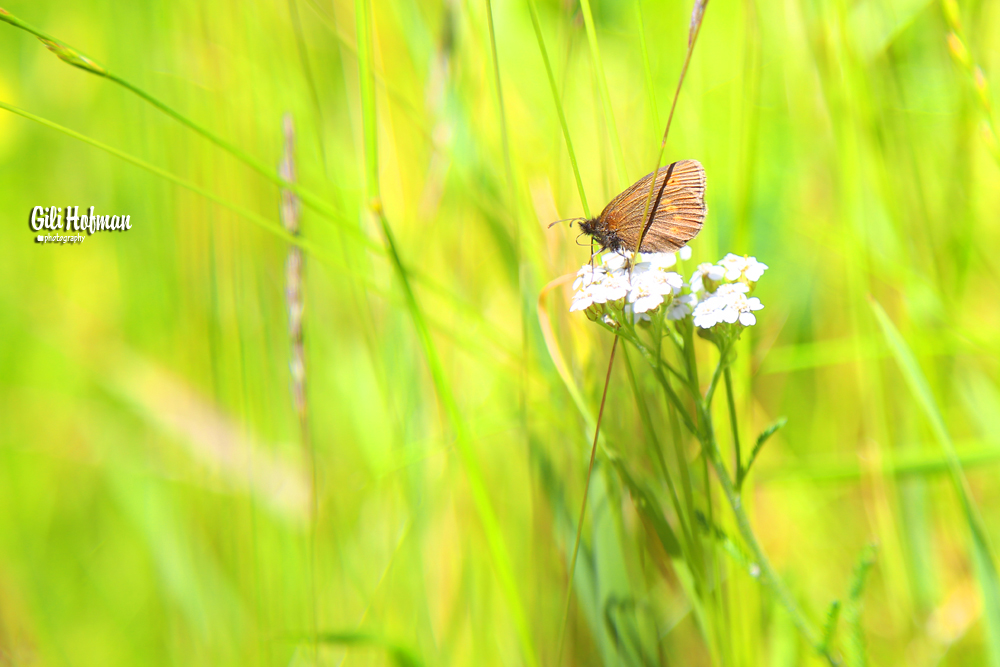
(155, 485)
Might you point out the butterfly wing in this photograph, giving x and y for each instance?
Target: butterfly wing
(678, 208)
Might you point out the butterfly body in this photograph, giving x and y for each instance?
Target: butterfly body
(676, 212)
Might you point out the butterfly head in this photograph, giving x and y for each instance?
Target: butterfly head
(604, 235)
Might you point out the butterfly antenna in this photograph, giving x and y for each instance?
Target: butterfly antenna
(571, 220)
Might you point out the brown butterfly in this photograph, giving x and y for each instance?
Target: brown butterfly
(676, 211)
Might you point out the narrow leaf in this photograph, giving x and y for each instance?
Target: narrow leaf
(761, 439)
(830, 627)
(855, 649)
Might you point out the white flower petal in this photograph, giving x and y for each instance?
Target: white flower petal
(685, 253)
(660, 260)
(614, 260)
(646, 303)
(582, 302)
(748, 319)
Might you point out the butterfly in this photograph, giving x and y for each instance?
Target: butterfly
(676, 212)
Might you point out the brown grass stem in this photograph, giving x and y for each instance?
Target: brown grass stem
(583, 505)
(697, 15)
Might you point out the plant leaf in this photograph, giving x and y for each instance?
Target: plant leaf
(761, 439)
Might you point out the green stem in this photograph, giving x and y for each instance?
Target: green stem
(647, 423)
(768, 576)
(735, 429)
(710, 393)
(686, 487)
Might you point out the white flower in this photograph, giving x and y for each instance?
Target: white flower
(737, 266)
(588, 296)
(642, 299)
(599, 284)
(614, 261)
(682, 306)
(729, 290)
(705, 270)
(739, 309)
(587, 275)
(660, 260)
(636, 291)
(727, 304)
(650, 286)
(629, 312)
(747, 318)
(664, 282)
(616, 285)
(754, 269)
(708, 313)
(734, 265)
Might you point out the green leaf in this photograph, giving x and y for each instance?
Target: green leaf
(761, 439)
(855, 649)
(830, 627)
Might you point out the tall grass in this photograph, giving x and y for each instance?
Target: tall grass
(154, 489)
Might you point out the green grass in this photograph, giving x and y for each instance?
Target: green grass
(153, 485)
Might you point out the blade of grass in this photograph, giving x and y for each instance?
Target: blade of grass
(555, 352)
(259, 220)
(77, 59)
(919, 464)
(326, 257)
(556, 99)
(602, 81)
(300, 44)
(480, 494)
(697, 15)
(982, 551)
(583, 506)
(650, 88)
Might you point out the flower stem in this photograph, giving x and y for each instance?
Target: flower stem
(732, 424)
(768, 576)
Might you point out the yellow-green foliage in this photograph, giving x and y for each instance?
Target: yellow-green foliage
(156, 502)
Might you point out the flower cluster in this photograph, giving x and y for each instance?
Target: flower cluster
(717, 295)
